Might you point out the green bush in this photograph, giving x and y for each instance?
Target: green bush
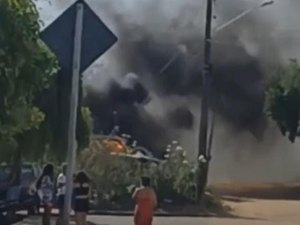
(114, 176)
(284, 100)
(174, 178)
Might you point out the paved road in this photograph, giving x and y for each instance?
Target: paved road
(108, 220)
(186, 221)
(254, 212)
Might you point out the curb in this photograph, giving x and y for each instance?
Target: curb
(158, 214)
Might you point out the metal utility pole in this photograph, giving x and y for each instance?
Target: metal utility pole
(72, 146)
(203, 154)
(86, 46)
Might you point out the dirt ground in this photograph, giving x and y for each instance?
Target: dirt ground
(270, 201)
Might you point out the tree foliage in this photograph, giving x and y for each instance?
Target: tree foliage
(284, 100)
(31, 101)
(26, 68)
(85, 128)
(42, 142)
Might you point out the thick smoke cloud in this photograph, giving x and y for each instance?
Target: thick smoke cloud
(156, 33)
(163, 45)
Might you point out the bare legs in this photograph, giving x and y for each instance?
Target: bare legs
(80, 218)
(47, 215)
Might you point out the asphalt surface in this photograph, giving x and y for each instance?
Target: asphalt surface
(186, 221)
(108, 220)
(122, 220)
(246, 211)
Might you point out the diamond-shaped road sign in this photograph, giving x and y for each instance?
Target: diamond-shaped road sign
(96, 37)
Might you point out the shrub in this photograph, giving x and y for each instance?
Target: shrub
(114, 176)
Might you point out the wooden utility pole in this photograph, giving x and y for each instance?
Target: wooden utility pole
(203, 154)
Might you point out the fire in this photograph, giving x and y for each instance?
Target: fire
(115, 145)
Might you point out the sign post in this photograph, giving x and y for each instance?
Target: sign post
(71, 157)
(77, 37)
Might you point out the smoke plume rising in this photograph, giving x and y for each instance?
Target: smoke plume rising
(161, 42)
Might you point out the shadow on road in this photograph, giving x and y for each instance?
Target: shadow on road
(232, 216)
(267, 191)
(235, 199)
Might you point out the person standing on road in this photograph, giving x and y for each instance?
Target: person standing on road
(45, 187)
(81, 197)
(60, 194)
(145, 203)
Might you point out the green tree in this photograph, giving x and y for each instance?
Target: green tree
(284, 100)
(32, 96)
(42, 142)
(26, 68)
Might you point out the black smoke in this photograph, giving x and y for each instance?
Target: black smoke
(237, 85)
(119, 106)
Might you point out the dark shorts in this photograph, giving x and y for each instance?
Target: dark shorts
(3, 219)
(81, 205)
(61, 202)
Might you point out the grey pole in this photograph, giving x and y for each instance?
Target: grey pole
(203, 160)
(72, 145)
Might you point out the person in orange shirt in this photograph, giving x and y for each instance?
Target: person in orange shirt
(145, 201)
